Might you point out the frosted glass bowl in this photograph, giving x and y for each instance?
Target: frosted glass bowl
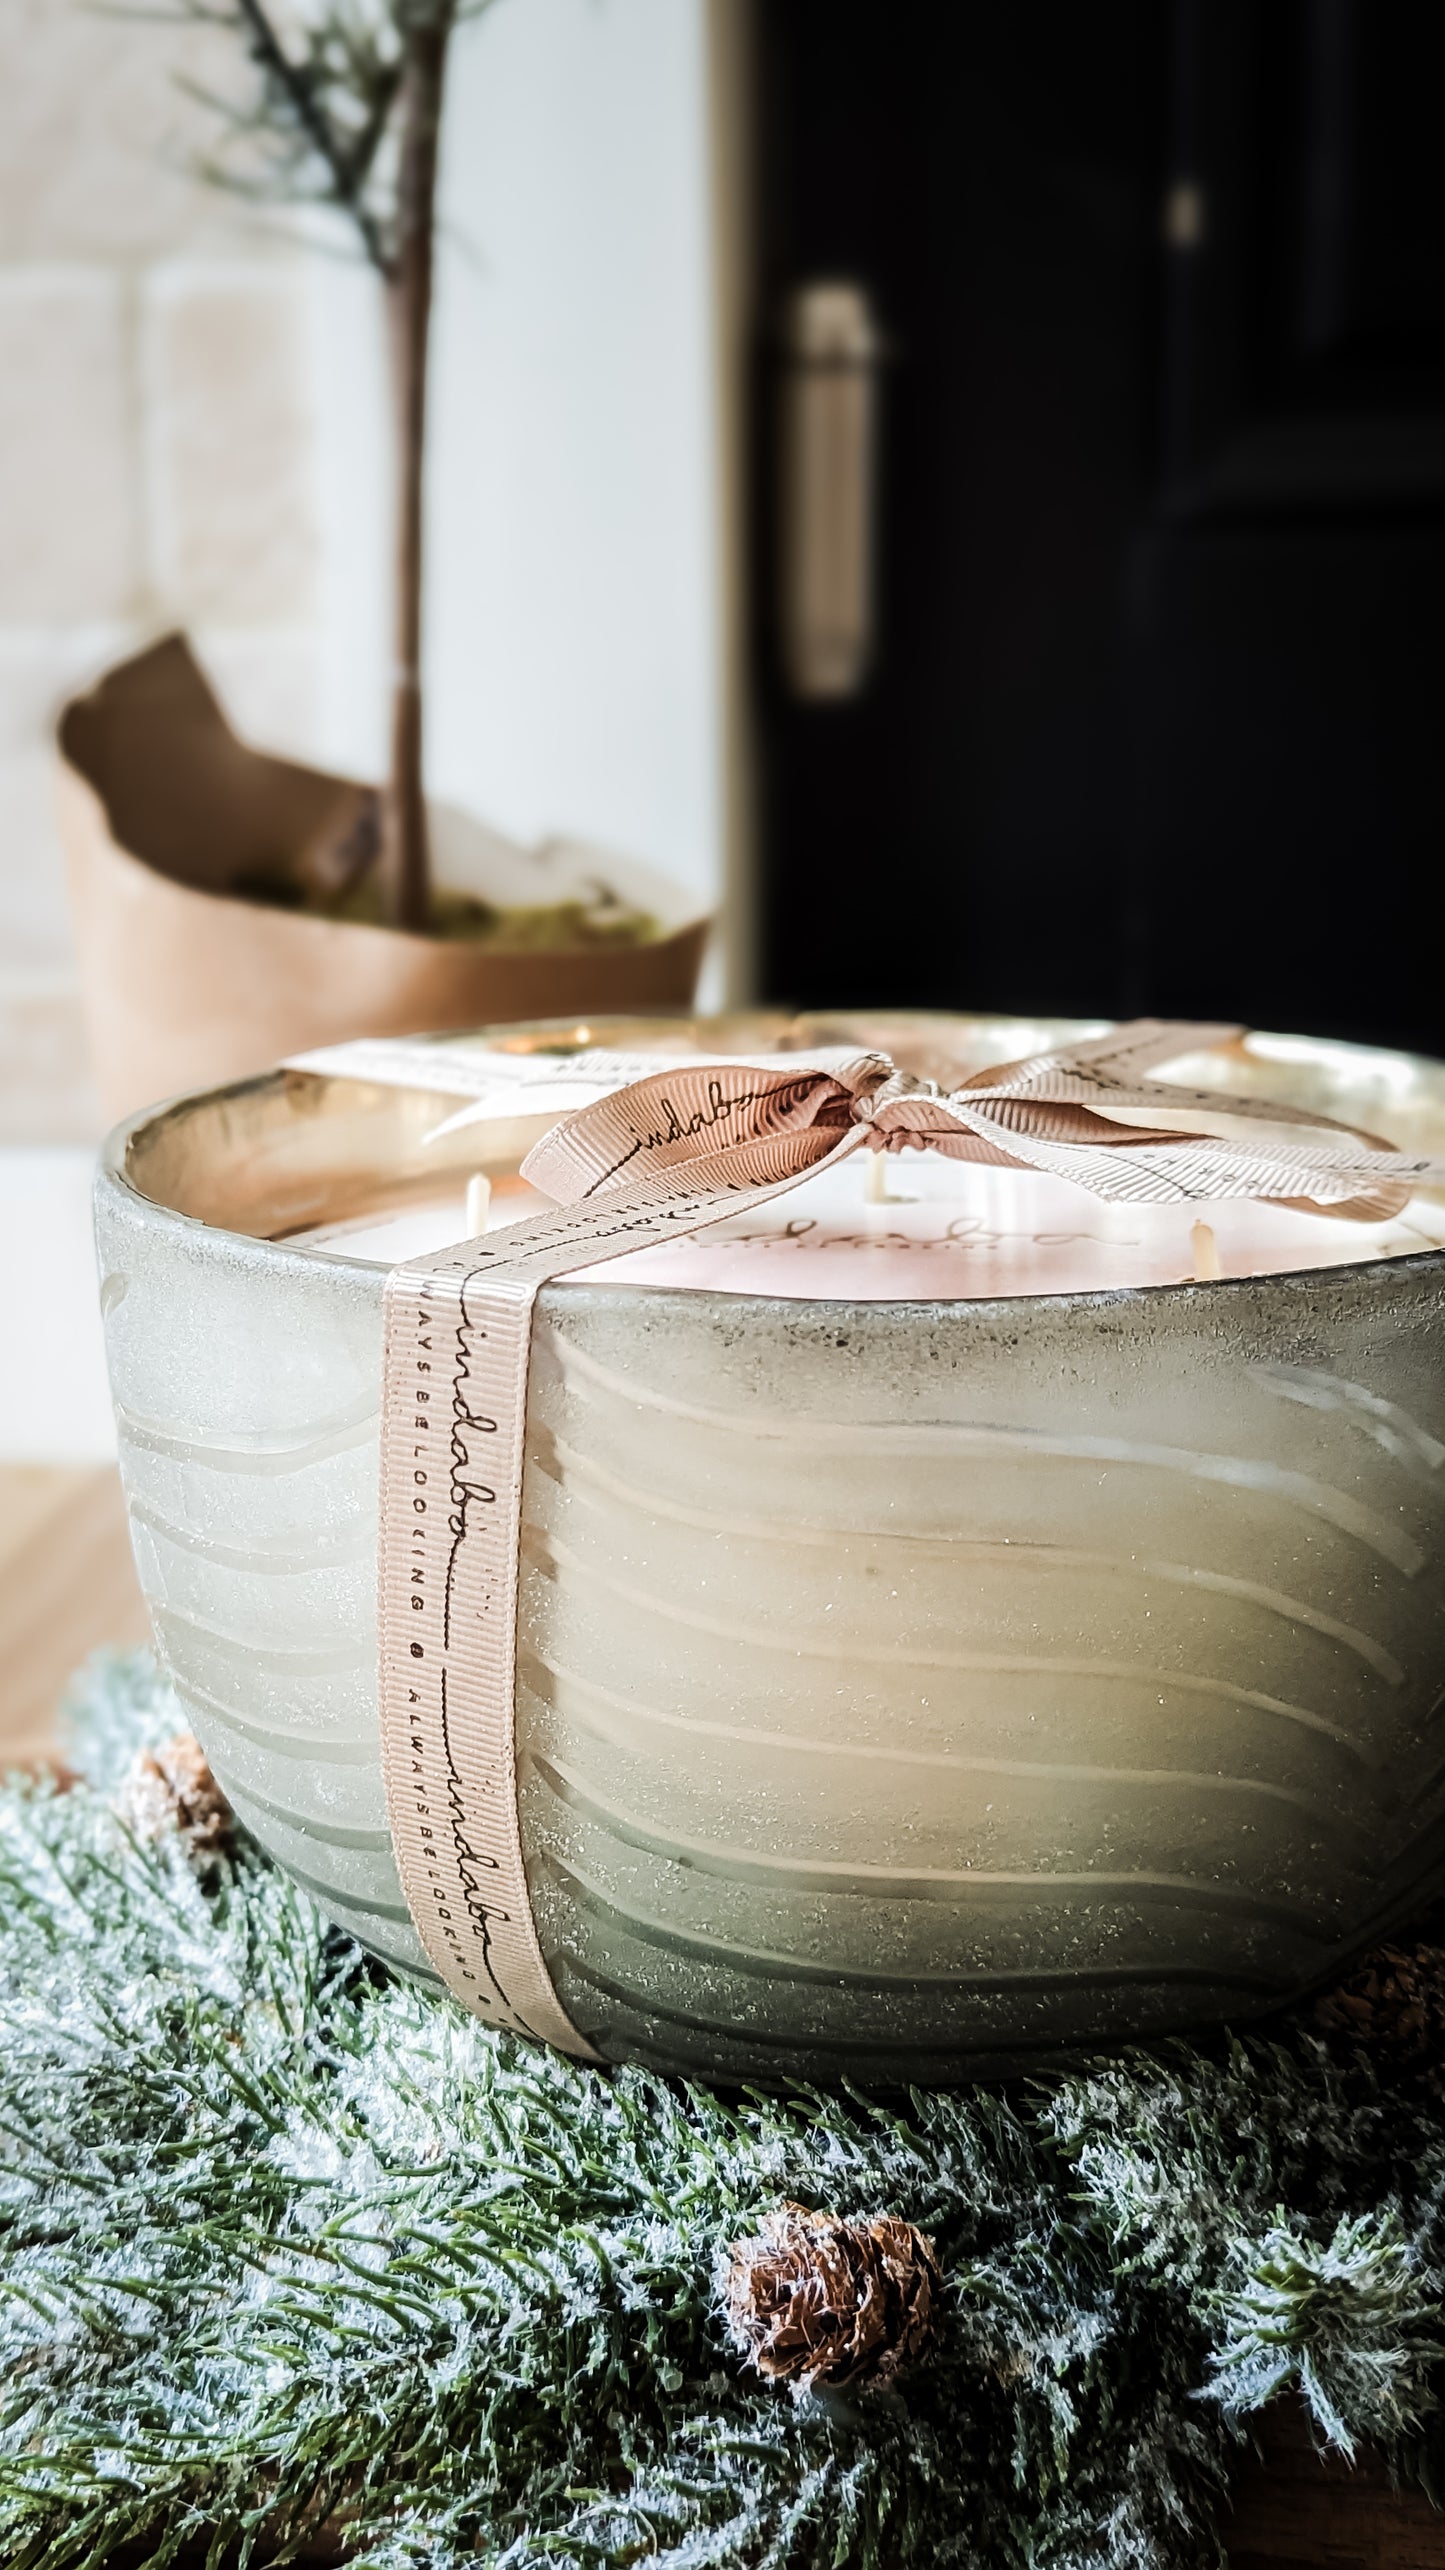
(906, 1689)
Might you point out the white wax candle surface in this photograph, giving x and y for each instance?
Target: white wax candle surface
(947, 1230)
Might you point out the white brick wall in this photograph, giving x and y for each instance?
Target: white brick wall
(157, 454)
(67, 528)
(232, 518)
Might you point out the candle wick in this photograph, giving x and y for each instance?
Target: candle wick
(479, 1204)
(1206, 1253)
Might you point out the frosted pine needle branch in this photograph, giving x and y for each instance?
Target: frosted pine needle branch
(1350, 2321)
(297, 2261)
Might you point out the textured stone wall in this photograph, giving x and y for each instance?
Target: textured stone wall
(157, 454)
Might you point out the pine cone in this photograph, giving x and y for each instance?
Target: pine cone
(816, 2298)
(1393, 2003)
(172, 1789)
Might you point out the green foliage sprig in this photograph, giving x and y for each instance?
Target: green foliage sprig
(315, 124)
(299, 2262)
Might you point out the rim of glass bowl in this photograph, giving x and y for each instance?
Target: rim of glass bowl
(296, 1149)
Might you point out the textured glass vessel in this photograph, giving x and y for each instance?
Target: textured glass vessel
(905, 1687)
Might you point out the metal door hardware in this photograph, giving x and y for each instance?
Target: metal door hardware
(832, 353)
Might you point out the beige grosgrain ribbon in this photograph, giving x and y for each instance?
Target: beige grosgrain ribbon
(659, 1158)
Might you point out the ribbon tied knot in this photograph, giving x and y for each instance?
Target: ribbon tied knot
(1085, 1111)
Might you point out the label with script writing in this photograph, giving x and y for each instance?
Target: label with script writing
(499, 1085)
(454, 1406)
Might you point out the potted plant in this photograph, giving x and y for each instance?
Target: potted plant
(232, 907)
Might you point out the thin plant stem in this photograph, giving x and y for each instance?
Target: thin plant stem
(406, 855)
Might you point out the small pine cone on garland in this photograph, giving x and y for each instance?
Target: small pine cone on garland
(1393, 2004)
(172, 1790)
(818, 2299)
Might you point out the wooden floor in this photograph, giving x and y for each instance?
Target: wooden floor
(67, 1585)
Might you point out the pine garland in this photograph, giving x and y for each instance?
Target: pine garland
(299, 2262)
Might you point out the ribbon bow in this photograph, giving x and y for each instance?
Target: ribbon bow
(1084, 1111)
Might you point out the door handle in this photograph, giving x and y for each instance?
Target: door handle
(832, 352)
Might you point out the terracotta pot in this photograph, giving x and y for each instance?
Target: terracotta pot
(185, 985)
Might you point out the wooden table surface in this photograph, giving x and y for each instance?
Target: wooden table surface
(67, 1585)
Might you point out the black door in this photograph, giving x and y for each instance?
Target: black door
(1148, 713)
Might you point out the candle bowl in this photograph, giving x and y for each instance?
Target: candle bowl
(906, 1689)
